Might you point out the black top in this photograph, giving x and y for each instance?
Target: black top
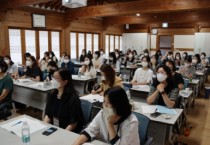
(69, 66)
(177, 79)
(67, 110)
(34, 72)
(82, 58)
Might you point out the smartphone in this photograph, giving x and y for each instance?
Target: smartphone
(49, 131)
(156, 114)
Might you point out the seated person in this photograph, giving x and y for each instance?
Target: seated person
(63, 108)
(154, 63)
(162, 91)
(204, 60)
(53, 57)
(177, 77)
(68, 64)
(177, 59)
(83, 55)
(130, 60)
(33, 71)
(52, 67)
(114, 62)
(143, 76)
(88, 69)
(108, 79)
(97, 60)
(12, 68)
(6, 88)
(114, 123)
(168, 56)
(188, 71)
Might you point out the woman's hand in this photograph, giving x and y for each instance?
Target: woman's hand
(160, 87)
(101, 94)
(93, 92)
(113, 119)
(82, 70)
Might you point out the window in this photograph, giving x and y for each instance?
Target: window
(89, 42)
(107, 45)
(81, 42)
(55, 36)
(15, 45)
(111, 43)
(120, 48)
(30, 42)
(73, 47)
(116, 39)
(96, 40)
(43, 42)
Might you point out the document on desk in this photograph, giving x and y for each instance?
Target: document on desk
(93, 98)
(16, 126)
(148, 109)
(165, 110)
(144, 88)
(24, 80)
(40, 84)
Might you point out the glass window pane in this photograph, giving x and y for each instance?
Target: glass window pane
(43, 42)
(111, 43)
(89, 42)
(96, 39)
(56, 43)
(30, 42)
(116, 42)
(107, 45)
(120, 43)
(81, 42)
(15, 45)
(73, 45)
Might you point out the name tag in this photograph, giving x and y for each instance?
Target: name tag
(55, 121)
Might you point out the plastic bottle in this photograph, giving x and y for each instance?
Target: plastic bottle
(25, 133)
(124, 78)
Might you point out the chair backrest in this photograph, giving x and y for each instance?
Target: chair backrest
(87, 110)
(143, 127)
(186, 82)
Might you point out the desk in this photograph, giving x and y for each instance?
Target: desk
(159, 126)
(140, 92)
(31, 93)
(195, 84)
(60, 137)
(80, 83)
(131, 70)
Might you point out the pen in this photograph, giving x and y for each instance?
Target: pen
(17, 123)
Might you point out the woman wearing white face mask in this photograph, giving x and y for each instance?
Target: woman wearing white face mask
(143, 76)
(114, 62)
(68, 64)
(168, 56)
(187, 71)
(154, 63)
(184, 58)
(88, 69)
(12, 68)
(33, 71)
(108, 79)
(114, 123)
(97, 60)
(63, 108)
(130, 60)
(162, 91)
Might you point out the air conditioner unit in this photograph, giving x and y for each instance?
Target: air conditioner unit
(74, 3)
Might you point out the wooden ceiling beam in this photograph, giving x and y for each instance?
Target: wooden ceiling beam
(142, 6)
(181, 17)
(11, 4)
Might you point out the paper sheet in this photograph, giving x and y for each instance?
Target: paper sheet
(41, 84)
(144, 88)
(34, 126)
(24, 80)
(148, 109)
(93, 98)
(165, 110)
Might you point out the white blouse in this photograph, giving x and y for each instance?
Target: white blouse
(128, 130)
(90, 73)
(142, 75)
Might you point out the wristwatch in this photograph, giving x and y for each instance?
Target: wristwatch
(163, 92)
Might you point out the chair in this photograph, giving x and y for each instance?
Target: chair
(87, 110)
(143, 127)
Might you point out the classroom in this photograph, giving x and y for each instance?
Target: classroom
(104, 72)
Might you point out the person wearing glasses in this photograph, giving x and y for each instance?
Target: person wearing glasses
(162, 91)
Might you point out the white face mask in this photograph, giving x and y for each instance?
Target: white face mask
(186, 64)
(111, 58)
(95, 56)
(117, 55)
(169, 56)
(146, 54)
(55, 83)
(66, 60)
(194, 61)
(101, 52)
(43, 62)
(28, 63)
(130, 56)
(184, 55)
(144, 64)
(50, 55)
(103, 78)
(107, 112)
(7, 61)
(161, 77)
(83, 53)
(87, 62)
(202, 56)
(177, 57)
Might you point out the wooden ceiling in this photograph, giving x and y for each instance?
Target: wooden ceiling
(178, 13)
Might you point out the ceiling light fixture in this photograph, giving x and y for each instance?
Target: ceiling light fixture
(165, 25)
(138, 14)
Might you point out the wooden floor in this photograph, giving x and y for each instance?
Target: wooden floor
(198, 120)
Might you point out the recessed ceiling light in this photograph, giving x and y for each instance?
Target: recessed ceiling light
(165, 25)
(138, 14)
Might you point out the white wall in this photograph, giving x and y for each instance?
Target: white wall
(202, 43)
(137, 41)
(153, 41)
(184, 41)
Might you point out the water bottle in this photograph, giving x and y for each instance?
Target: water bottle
(25, 134)
(79, 74)
(124, 78)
